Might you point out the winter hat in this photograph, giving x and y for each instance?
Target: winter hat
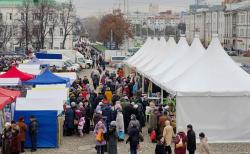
(100, 103)
(133, 117)
(81, 104)
(190, 126)
(135, 106)
(67, 106)
(7, 125)
(113, 123)
(73, 104)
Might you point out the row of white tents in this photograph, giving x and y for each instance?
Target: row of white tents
(212, 91)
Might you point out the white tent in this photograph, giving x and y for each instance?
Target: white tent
(10, 81)
(30, 68)
(213, 96)
(60, 86)
(71, 75)
(169, 59)
(38, 93)
(153, 54)
(41, 104)
(140, 51)
(145, 53)
(162, 52)
(189, 56)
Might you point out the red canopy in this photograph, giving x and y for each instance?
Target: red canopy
(4, 101)
(15, 73)
(9, 93)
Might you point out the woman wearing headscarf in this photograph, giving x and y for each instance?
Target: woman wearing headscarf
(112, 138)
(120, 125)
(180, 142)
(203, 147)
(99, 131)
(7, 135)
(134, 122)
(133, 138)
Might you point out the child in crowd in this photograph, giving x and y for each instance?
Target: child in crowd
(81, 125)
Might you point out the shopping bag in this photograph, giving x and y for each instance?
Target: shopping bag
(121, 135)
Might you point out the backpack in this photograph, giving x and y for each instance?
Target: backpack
(153, 136)
(99, 136)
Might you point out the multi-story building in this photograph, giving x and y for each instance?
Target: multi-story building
(231, 21)
(11, 15)
(204, 22)
(153, 22)
(237, 26)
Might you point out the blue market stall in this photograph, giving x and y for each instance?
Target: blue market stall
(46, 112)
(47, 77)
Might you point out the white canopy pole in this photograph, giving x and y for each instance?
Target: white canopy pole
(161, 95)
(143, 84)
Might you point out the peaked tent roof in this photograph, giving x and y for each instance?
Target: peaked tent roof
(166, 62)
(47, 77)
(158, 58)
(150, 48)
(152, 55)
(15, 73)
(140, 51)
(194, 53)
(9, 93)
(214, 74)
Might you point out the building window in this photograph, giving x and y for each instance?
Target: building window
(1, 32)
(22, 16)
(1, 16)
(61, 32)
(50, 45)
(61, 17)
(61, 45)
(50, 31)
(10, 16)
(50, 17)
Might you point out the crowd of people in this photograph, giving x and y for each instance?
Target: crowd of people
(6, 62)
(115, 106)
(14, 135)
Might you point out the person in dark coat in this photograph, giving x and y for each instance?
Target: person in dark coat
(69, 121)
(160, 147)
(85, 80)
(127, 112)
(87, 117)
(7, 135)
(191, 139)
(95, 80)
(112, 138)
(133, 139)
(107, 114)
(33, 131)
(15, 141)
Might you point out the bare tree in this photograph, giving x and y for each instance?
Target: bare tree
(67, 18)
(41, 14)
(54, 21)
(25, 22)
(6, 33)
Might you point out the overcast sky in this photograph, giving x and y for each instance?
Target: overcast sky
(87, 8)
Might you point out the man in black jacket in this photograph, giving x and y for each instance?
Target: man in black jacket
(191, 139)
(33, 130)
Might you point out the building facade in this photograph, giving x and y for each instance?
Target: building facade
(230, 21)
(12, 15)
